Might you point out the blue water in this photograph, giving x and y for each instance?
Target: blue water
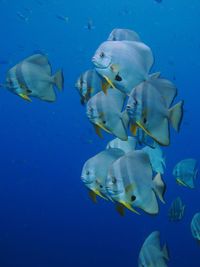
(46, 216)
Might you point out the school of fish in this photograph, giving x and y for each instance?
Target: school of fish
(123, 98)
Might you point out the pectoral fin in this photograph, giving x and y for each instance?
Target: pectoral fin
(109, 81)
(128, 206)
(133, 129)
(25, 97)
(98, 130)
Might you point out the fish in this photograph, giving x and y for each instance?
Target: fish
(22, 17)
(126, 146)
(90, 25)
(185, 172)
(123, 35)
(177, 210)
(95, 171)
(149, 107)
(124, 64)
(151, 254)
(89, 84)
(156, 158)
(142, 137)
(105, 112)
(32, 78)
(130, 183)
(63, 18)
(195, 226)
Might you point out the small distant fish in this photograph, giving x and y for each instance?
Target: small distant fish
(156, 158)
(95, 171)
(102, 116)
(90, 25)
(63, 18)
(177, 210)
(123, 35)
(22, 17)
(88, 84)
(185, 172)
(130, 182)
(126, 146)
(151, 253)
(33, 77)
(195, 227)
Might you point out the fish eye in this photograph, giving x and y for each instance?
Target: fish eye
(104, 122)
(102, 54)
(87, 172)
(101, 186)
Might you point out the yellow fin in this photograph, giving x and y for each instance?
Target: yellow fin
(25, 97)
(105, 86)
(133, 129)
(98, 130)
(93, 196)
(179, 182)
(99, 194)
(120, 209)
(109, 81)
(128, 206)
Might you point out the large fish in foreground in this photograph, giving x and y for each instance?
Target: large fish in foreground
(95, 171)
(124, 64)
(32, 77)
(130, 182)
(105, 112)
(149, 107)
(151, 253)
(185, 172)
(123, 35)
(195, 226)
(177, 210)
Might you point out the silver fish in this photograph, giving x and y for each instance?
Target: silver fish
(124, 64)
(148, 107)
(126, 146)
(32, 77)
(185, 172)
(156, 158)
(130, 183)
(105, 112)
(151, 253)
(177, 210)
(195, 226)
(95, 170)
(123, 35)
(89, 84)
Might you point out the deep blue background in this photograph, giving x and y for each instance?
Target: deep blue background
(46, 217)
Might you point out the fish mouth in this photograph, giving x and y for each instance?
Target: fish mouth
(99, 65)
(85, 181)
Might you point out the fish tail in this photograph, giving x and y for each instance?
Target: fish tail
(159, 187)
(165, 251)
(58, 79)
(176, 115)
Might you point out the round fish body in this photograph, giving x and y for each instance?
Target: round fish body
(124, 64)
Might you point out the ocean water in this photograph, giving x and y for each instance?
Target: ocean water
(47, 218)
